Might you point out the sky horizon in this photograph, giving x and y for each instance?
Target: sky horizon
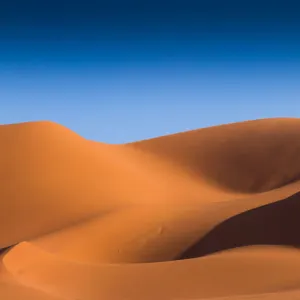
(129, 70)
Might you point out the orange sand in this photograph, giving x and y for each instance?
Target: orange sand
(205, 214)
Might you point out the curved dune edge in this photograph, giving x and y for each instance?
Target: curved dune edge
(249, 270)
(58, 160)
(95, 221)
(47, 168)
(249, 157)
(153, 234)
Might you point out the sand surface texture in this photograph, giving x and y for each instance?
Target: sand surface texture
(212, 213)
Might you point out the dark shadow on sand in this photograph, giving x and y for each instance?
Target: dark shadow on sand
(272, 224)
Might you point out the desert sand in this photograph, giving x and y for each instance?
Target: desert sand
(212, 213)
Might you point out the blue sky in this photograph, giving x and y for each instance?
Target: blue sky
(124, 71)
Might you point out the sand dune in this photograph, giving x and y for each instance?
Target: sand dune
(206, 214)
(235, 272)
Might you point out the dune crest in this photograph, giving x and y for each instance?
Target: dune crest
(252, 156)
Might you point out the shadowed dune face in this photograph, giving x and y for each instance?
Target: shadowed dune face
(273, 224)
(250, 157)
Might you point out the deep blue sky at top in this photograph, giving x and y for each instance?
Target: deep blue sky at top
(118, 71)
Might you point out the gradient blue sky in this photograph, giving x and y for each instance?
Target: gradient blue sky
(127, 70)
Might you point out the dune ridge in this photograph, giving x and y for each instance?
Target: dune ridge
(203, 214)
(258, 153)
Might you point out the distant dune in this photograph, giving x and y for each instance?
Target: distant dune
(211, 213)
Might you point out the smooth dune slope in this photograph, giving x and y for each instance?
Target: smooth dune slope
(235, 272)
(159, 233)
(252, 156)
(52, 178)
(210, 213)
(186, 227)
